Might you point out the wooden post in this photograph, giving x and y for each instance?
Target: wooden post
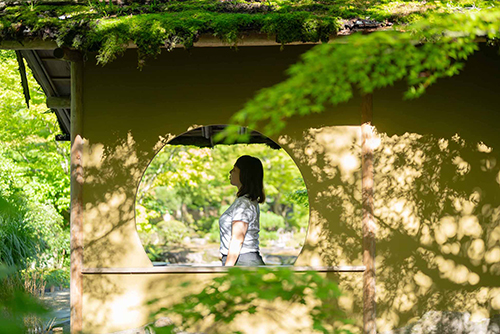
(76, 284)
(369, 227)
(57, 102)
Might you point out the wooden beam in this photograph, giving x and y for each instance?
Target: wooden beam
(55, 102)
(212, 269)
(24, 79)
(369, 227)
(246, 39)
(207, 40)
(50, 59)
(29, 44)
(76, 196)
(60, 79)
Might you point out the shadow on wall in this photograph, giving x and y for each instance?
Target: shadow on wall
(330, 160)
(112, 171)
(437, 204)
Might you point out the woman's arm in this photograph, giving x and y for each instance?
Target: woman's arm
(238, 232)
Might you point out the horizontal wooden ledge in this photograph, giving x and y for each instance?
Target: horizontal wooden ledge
(204, 41)
(212, 269)
(244, 39)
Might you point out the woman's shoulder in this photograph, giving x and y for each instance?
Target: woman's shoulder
(244, 209)
(244, 199)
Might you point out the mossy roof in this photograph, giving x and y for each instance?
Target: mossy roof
(108, 28)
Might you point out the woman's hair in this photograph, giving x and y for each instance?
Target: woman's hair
(251, 178)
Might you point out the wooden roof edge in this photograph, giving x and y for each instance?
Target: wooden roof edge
(205, 40)
(28, 44)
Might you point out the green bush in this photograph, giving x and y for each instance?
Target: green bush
(214, 234)
(155, 253)
(19, 242)
(45, 219)
(265, 237)
(270, 221)
(57, 277)
(204, 225)
(172, 231)
(34, 176)
(32, 232)
(16, 305)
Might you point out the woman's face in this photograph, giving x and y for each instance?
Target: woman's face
(234, 177)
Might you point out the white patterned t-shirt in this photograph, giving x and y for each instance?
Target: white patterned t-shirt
(245, 210)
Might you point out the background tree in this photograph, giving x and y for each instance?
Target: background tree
(185, 189)
(34, 177)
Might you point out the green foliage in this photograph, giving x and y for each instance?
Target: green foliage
(57, 277)
(186, 189)
(157, 235)
(300, 197)
(265, 238)
(242, 291)
(33, 163)
(19, 243)
(33, 234)
(330, 74)
(34, 176)
(214, 233)
(143, 216)
(51, 233)
(173, 231)
(108, 28)
(271, 221)
(15, 304)
(154, 252)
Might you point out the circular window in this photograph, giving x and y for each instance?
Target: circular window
(186, 188)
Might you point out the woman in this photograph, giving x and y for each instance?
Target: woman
(239, 225)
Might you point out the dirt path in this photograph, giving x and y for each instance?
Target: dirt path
(58, 303)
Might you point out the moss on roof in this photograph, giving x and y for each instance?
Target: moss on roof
(107, 28)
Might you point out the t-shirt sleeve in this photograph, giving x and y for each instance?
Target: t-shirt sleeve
(244, 211)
